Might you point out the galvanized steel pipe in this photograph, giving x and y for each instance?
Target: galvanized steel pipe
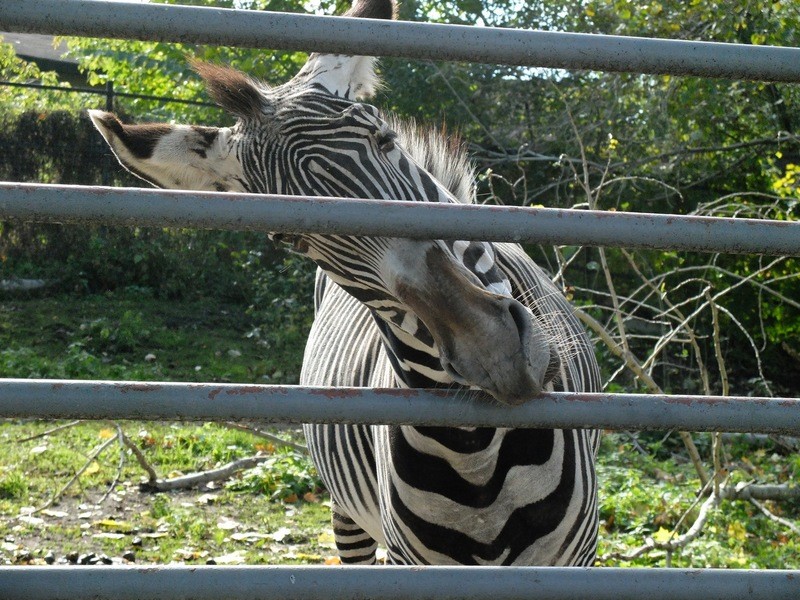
(389, 218)
(183, 582)
(66, 399)
(202, 25)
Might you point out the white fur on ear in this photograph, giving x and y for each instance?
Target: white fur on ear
(351, 77)
(173, 156)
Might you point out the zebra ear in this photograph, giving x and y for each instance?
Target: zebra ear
(172, 156)
(232, 90)
(351, 77)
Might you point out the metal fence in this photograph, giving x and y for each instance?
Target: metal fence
(133, 400)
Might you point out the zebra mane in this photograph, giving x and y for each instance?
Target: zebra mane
(442, 155)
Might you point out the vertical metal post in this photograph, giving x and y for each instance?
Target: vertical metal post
(109, 96)
(105, 177)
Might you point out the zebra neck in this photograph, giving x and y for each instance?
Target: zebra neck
(414, 358)
(417, 365)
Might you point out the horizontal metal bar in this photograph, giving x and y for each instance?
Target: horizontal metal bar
(201, 25)
(390, 218)
(65, 399)
(175, 582)
(104, 92)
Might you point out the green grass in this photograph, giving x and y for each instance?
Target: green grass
(647, 496)
(275, 513)
(132, 335)
(245, 518)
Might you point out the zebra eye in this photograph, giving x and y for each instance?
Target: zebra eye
(386, 140)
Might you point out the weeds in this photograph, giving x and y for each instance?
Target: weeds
(286, 476)
(13, 485)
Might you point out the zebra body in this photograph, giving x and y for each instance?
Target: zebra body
(396, 312)
(451, 496)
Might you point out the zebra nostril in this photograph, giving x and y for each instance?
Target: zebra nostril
(521, 319)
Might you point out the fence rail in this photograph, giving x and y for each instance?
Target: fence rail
(227, 27)
(342, 216)
(396, 583)
(109, 92)
(65, 399)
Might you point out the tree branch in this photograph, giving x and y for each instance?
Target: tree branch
(201, 477)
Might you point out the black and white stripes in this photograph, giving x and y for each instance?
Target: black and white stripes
(439, 495)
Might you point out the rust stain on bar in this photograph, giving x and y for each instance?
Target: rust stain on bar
(138, 387)
(245, 390)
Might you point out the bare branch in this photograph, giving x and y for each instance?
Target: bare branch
(153, 476)
(633, 364)
(464, 105)
(48, 432)
(201, 477)
(773, 517)
(770, 141)
(278, 441)
(692, 338)
(55, 497)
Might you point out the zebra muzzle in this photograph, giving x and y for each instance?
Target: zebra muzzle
(484, 339)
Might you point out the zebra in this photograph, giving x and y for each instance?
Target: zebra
(393, 312)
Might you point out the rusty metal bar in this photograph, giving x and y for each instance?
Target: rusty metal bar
(389, 218)
(202, 25)
(66, 399)
(184, 582)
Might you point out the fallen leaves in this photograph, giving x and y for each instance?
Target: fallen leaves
(207, 499)
(280, 534)
(113, 525)
(228, 524)
(326, 540)
(39, 449)
(237, 557)
(107, 535)
(106, 434)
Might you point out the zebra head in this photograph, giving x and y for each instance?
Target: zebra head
(314, 136)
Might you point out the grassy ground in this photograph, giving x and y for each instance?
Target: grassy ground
(134, 336)
(249, 519)
(276, 513)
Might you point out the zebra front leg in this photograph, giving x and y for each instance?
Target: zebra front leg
(354, 545)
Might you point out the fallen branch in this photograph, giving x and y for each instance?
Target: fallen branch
(140, 458)
(773, 517)
(751, 491)
(120, 465)
(672, 544)
(195, 479)
(155, 484)
(741, 491)
(48, 432)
